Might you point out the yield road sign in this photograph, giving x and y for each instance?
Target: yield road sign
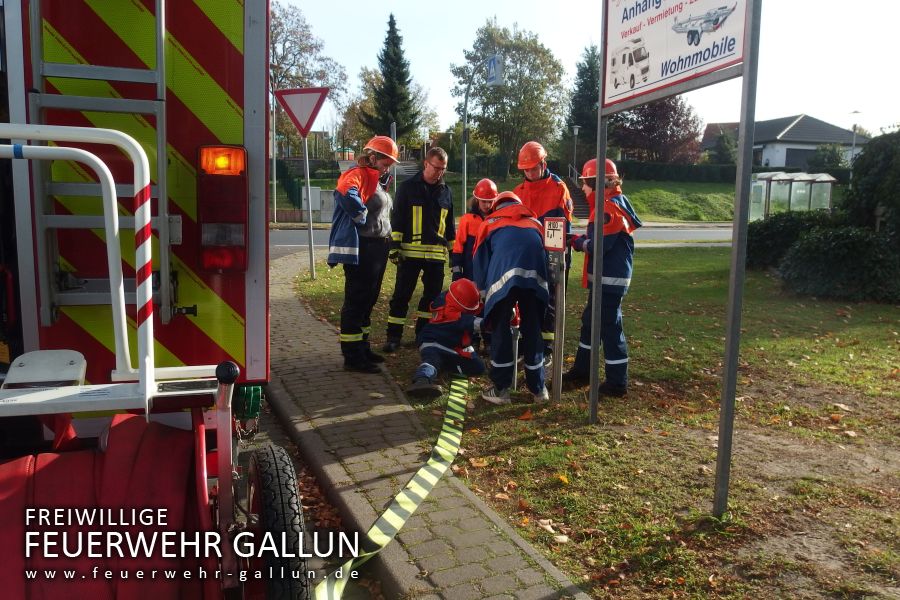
(302, 105)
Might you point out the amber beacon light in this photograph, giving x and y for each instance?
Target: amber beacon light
(223, 208)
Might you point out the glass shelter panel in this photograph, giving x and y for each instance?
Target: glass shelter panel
(779, 198)
(757, 200)
(800, 196)
(821, 196)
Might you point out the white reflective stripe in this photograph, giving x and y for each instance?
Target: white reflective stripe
(424, 364)
(468, 349)
(534, 367)
(438, 346)
(527, 273)
(616, 281)
(585, 346)
(343, 250)
(478, 321)
(501, 365)
(617, 362)
(456, 269)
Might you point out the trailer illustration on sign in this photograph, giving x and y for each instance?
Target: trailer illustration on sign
(709, 21)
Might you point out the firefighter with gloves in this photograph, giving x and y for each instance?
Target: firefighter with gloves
(445, 343)
(511, 267)
(423, 229)
(547, 196)
(360, 241)
(619, 222)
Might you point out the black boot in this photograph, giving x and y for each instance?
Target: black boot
(615, 391)
(391, 346)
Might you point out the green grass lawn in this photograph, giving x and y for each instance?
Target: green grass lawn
(816, 452)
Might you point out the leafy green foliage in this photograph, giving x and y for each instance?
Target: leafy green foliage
(769, 239)
(876, 186)
(725, 150)
(393, 98)
(530, 104)
(850, 263)
(826, 156)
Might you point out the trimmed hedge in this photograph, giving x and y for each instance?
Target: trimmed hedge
(848, 263)
(769, 239)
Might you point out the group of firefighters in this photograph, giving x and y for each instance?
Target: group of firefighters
(500, 270)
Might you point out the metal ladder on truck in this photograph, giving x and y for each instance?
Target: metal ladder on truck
(59, 288)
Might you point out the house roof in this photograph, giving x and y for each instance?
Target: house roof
(798, 129)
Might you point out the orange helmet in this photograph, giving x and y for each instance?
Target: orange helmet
(383, 145)
(485, 190)
(530, 155)
(505, 196)
(465, 294)
(589, 170)
(611, 168)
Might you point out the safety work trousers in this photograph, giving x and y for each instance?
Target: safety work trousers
(435, 360)
(362, 285)
(503, 361)
(407, 276)
(612, 337)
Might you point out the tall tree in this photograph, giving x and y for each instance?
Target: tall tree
(666, 131)
(297, 61)
(394, 101)
(826, 156)
(725, 150)
(530, 104)
(583, 108)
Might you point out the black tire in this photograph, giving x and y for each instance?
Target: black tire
(631, 81)
(272, 474)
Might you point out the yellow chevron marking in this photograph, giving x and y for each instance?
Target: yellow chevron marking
(184, 75)
(228, 17)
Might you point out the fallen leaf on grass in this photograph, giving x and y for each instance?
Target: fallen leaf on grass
(526, 416)
(501, 496)
(375, 395)
(843, 407)
(546, 525)
(478, 462)
(524, 506)
(836, 417)
(851, 434)
(510, 486)
(561, 539)
(563, 478)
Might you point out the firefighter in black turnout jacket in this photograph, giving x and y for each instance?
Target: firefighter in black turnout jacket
(422, 230)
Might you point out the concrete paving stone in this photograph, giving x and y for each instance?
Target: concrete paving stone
(466, 591)
(377, 461)
(454, 514)
(350, 451)
(446, 530)
(538, 592)
(357, 461)
(438, 562)
(430, 548)
(474, 524)
(477, 554)
(463, 574)
(365, 477)
(410, 535)
(506, 564)
(500, 547)
(500, 597)
(454, 502)
(499, 584)
(470, 539)
(530, 576)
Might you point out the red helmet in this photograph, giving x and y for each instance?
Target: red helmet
(465, 294)
(611, 168)
(505, 197)
(589, 170)
(383, 145)
(485, 190)
(530, 155)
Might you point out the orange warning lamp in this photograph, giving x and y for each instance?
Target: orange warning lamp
(223, 208)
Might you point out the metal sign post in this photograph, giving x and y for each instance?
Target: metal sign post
(302, 105)
(555, 244)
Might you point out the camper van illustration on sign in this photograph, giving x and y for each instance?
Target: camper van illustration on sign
(630, 63)
(709, 21)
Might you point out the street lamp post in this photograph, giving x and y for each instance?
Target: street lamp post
(575, 129)
(852, 152)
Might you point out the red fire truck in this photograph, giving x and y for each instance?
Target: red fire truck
(134, 292)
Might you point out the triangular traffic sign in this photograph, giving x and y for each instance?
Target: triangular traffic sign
(302, 105)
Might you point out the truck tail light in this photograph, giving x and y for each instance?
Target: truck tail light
(223, 208)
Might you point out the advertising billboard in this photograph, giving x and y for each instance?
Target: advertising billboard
(657, 46)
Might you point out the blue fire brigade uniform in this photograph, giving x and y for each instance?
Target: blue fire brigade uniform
(445, 342)
(511, 267)
(620, 220)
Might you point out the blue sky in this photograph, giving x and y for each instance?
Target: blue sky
(825, 59)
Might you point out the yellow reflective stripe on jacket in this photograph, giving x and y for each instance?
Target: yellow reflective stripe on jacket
(351, 337)
(442, 225)
(422, 314)
(417, 224)
(429, 251)
(397, 236)
(397, 320)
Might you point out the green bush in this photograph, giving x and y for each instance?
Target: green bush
(849, 263)
(769, 239)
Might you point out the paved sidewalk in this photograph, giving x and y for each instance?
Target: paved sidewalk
(364, 448)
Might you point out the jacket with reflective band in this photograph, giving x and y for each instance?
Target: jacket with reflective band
(422, 222)
(464, 245)
(450, 329)
(509, 253)
(546, 197)
(354, 188)
(619, 221)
